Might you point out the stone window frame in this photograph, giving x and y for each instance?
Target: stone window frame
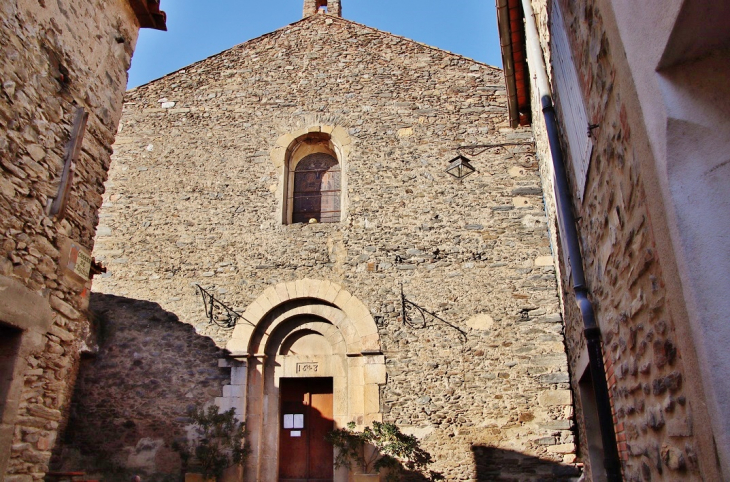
(293, 147)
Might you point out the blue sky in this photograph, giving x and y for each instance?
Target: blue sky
(200, 28)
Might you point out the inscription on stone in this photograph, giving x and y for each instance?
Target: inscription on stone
(83, 264)
(79, 261)
(307, 367)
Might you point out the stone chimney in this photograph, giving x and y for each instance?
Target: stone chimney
(332, 7)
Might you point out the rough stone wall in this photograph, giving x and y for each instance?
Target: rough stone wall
(133, 388)
(191, 199)
(653, 417)
(54, 56)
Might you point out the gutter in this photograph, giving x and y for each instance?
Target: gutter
(569, 238)
(508, 61)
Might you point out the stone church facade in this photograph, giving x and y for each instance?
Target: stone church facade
(299, 178)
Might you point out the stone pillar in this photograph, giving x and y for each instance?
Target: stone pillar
(234, 395)
(334, 7)
(311, 7)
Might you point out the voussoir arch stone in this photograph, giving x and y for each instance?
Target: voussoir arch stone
(358, 323)
(260, 337)
(327, 331)
(338, 135)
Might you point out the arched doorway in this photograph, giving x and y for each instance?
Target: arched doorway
(303, 337)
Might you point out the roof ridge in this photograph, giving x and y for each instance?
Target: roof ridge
(410, 40)
(212, 56)
(314, 18)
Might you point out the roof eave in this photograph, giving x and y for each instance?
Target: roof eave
(148, 14)
(505, 43)
(514, 63)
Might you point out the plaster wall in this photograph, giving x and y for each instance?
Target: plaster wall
(682, 91)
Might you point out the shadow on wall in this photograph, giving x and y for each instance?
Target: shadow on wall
(495, 464)
(131, 400)
(506, 465)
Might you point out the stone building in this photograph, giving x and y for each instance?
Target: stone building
(63, 73)
(299, 179)
(642, 110)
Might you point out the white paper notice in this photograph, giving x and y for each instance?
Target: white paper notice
(289, 420)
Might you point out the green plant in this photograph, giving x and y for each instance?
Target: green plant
(383, 446)
(219, 441)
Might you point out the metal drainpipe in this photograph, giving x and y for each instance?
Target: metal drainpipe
(566, 220)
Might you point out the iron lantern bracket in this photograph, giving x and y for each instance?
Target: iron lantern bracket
(415, 316)
(218, 313)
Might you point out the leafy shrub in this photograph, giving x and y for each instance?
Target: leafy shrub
(383, 446)
(219, 441)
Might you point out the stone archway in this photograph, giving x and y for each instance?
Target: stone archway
(303, 329)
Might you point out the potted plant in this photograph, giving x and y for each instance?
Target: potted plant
(218, 443)
(380, 448)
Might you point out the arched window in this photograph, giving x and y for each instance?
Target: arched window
(314, 177)
(316, 189)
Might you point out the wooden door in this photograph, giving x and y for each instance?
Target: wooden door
(305, 417)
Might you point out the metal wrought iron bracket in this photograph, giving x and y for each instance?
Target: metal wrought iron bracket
(218, 313)
(417, 320)
(477, 149)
